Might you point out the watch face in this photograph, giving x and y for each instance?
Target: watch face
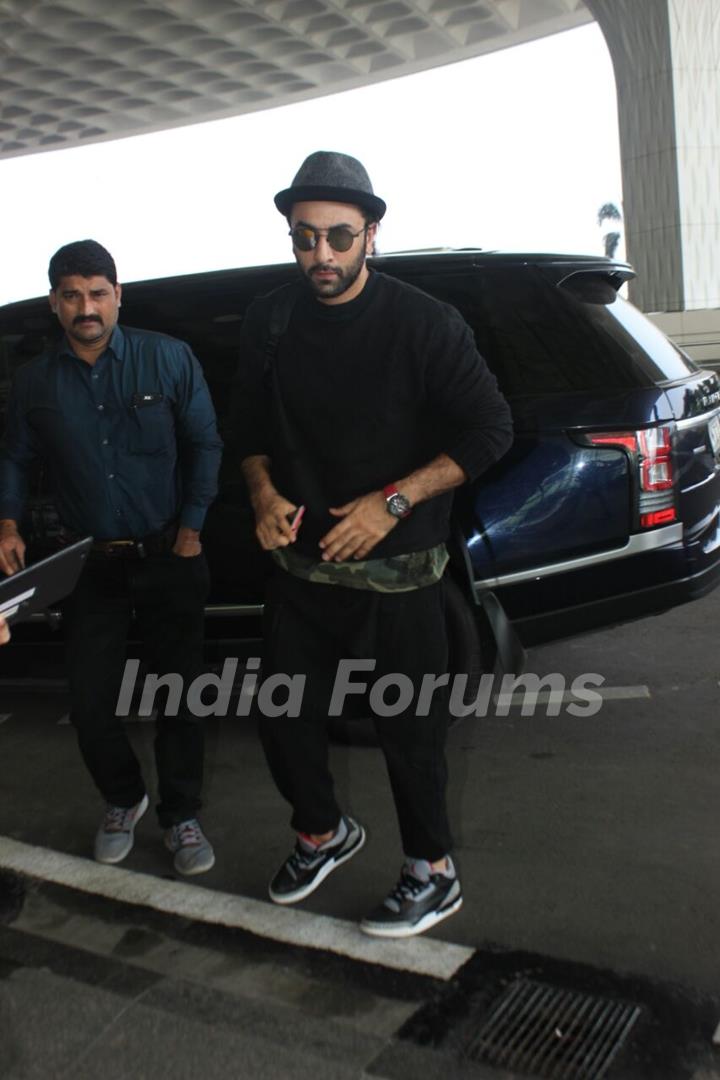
(398, 505)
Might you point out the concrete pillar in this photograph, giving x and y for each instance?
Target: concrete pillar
(666, 55)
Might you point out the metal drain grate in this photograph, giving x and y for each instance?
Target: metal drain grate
(550, 1032)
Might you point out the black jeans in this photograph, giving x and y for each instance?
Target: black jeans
(309, 628)
(167, 593)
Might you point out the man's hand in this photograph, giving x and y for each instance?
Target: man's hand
(4, 631)
(365, 522)
(187, 542)
(273, 514)
(12, 548)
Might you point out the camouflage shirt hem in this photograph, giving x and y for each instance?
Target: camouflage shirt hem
(398, 573)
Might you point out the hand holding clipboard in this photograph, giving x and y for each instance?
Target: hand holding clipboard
(38, 586)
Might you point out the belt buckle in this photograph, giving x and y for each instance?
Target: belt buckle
(118, 549)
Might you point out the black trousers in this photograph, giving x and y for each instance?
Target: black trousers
(167, 593)
(309, 628)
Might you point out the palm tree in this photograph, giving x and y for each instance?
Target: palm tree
(609, 212)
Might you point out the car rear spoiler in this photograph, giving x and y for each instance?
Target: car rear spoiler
(614, 276)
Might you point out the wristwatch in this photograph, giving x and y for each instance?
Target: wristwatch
(398, 505)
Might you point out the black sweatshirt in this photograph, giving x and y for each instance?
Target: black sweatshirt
(374, 388)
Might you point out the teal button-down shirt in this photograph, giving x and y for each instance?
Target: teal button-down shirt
(131, 442)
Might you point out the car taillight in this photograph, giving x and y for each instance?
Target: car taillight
(651, 449)
(656, 471)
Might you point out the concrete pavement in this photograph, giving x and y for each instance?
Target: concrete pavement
(591, 839)
(585, 839)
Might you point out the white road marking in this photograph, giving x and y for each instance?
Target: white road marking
(419, 955)
(716, 1036)
(618, 693)
(567, 697)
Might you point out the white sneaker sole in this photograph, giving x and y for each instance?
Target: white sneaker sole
(111, 860)
(426, 923)
(191, 870)
(327, 869)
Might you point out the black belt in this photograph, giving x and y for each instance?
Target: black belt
(133, 548)
(120, 549)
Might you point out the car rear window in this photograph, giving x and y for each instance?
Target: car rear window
(542, 337)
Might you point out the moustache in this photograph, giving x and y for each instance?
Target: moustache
(324, 270)
(79, 319)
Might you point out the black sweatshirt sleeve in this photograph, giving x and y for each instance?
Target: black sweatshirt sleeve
(477, 423)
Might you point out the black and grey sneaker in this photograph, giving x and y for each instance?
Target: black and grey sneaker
(307, 867)
(420, 899)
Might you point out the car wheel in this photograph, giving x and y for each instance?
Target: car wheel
(465, 651)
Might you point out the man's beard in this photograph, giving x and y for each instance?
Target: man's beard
(342, 280)
(87, 332)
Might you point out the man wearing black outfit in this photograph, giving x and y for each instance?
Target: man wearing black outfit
(124, 421)
(377, 407)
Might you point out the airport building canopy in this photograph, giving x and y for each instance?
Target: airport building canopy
(81, 71)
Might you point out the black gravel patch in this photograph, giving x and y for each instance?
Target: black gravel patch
(672, 1039)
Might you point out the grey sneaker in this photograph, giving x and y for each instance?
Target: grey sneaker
(116, 835)
(193, 851)
(421, 899)
(305, 868)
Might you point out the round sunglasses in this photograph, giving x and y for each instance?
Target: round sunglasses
(339, 237)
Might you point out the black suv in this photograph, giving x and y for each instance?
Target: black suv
(608, 504)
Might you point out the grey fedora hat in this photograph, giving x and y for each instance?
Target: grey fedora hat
(327, 176)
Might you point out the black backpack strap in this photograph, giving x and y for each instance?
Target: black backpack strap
(283, 304)
(299, 467)
(284, 300)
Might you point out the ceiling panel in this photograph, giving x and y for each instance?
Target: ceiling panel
(82, 71)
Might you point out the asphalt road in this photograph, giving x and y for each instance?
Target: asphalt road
(581, 839)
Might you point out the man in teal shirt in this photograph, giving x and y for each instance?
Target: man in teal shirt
(123, 420)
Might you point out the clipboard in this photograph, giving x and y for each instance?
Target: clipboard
(37, 586)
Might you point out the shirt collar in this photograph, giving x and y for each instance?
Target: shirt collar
(116, 344)
(349, 309)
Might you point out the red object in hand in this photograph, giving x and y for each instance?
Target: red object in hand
(297, 519)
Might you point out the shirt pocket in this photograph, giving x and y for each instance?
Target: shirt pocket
(152, 426)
